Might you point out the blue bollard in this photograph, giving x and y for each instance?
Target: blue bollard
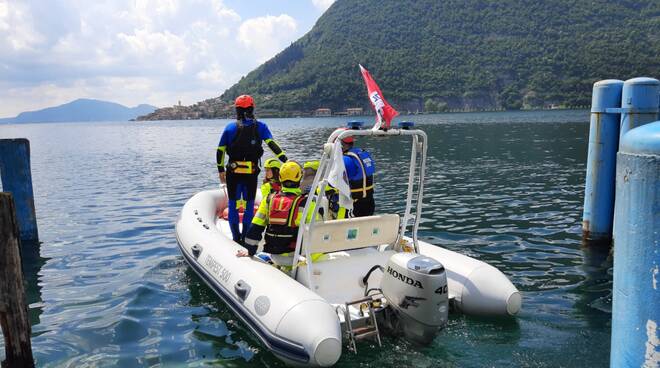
(636, 289)
(639, 103)
(601, 162)
(17, 179)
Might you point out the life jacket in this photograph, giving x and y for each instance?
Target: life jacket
(362, 182)
(246, 146)
(282, 230)
(269, 188)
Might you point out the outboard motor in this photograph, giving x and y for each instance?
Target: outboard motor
(416, 289)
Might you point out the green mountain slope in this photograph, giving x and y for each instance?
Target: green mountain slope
(460, 54)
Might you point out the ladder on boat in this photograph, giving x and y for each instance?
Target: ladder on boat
(369, 330)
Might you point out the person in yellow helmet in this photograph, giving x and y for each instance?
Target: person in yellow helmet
(309, 172)
(279, 214)
(271, 183)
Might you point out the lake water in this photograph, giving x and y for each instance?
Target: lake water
(109, 287)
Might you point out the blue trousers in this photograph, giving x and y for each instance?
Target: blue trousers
(242, 192)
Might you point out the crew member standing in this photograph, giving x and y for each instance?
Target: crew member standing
(242, 141)
(360, 172)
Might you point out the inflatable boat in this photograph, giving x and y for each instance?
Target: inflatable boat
(374, 277)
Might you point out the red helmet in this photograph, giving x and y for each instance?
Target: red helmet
(348, 139)
(244, 101)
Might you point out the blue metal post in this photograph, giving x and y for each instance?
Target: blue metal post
(636, 290)
(601, 162)
(17, 179)
(639, 103)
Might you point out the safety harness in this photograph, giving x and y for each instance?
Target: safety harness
(245, 151)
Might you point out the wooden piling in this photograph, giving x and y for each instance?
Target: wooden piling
(13, 307)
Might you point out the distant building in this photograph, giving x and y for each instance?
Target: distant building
(354, 111)
(323, 112)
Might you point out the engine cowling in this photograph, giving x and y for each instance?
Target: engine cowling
(416, 289)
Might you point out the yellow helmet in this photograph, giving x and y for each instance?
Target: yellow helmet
(290, 171)
(312, 165)
(272, 163)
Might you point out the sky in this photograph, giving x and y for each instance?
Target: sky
(158, 52)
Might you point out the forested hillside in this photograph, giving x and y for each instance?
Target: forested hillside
(438, 54)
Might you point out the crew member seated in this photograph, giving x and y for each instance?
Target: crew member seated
(271, 183)
(279, 215)
(360, 171)
(309, 172)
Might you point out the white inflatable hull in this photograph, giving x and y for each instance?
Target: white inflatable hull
(475, 287)
(298, 325)
(275, 305)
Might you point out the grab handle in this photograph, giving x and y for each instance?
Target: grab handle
(196, 250)
(242, 289)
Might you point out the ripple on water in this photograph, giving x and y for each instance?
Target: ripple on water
(504, 188)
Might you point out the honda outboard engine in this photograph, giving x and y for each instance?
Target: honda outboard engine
(416, 289)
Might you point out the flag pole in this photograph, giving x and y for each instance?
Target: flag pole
(379, 121)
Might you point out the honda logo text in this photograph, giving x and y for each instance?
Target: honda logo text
(404, 278)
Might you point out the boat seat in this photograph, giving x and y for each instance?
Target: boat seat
(338, 279)
(350, 248)
(353, 233)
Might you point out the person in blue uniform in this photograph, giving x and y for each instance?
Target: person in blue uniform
(242, 141)
(360, 171)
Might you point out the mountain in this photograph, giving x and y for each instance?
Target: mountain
(82, 110)
(460, 54)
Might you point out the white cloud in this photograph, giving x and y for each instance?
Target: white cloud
(224, 12)
(323, 5)
(150, 46)
(4, 14)
(265, 36)
(129, 51)
(212, 75)
(17, 29)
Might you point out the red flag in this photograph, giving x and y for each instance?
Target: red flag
(383, 109)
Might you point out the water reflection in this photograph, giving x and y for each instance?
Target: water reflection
(32, 262)
(223, 336)
(595, 290)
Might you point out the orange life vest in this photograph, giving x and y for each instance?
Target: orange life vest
(282, 230)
